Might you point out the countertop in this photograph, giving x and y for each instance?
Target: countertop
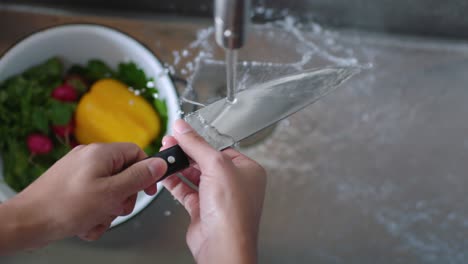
(376, 172)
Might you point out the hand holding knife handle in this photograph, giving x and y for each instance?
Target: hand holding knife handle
(175, 158)
(231, 18)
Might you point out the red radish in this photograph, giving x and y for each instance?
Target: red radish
(64, 130)
(39, 144)
(65, 93)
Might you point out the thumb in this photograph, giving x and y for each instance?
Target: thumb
(194, 145)
(139, 176)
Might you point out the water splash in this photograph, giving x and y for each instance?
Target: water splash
(264, 104)
(167, 213)
(287, 46)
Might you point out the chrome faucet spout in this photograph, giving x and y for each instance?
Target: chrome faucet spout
(231, 18)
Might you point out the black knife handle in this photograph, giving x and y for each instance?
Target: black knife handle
(175, 158)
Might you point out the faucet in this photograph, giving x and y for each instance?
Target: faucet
(231, 17)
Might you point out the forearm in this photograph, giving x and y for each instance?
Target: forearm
(23, 226)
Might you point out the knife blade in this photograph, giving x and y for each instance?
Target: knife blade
(222, 124)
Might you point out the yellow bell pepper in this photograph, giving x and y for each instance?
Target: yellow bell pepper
(109, 112)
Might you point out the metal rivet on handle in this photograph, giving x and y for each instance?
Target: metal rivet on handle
(171, 159)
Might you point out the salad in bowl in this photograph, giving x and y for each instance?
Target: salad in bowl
(78, 84)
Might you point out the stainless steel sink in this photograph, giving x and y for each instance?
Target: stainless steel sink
(422, 17)
(373, 173)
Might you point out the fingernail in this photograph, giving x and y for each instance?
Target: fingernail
(181, 127)
(164, 140)
(156, 166)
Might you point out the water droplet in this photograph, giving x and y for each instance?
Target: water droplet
(227, 33)
(176, 57)
(190, 66)
(150, 84)
(329, 41)
(260, 10)
(269, 13)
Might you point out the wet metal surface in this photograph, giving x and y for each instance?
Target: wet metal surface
(223, 123)
(421, 17)
(375, 172)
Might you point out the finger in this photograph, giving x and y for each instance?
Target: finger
(167, 142)
(97, 232)
(192, 174)
(238, 158)
(138, 176)
(232, 153)
(194, 145)
(129, 205)
(152, 189)
(123, 155)
(184, 194)
(77, 148)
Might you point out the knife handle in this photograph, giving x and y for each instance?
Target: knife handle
(175, 158)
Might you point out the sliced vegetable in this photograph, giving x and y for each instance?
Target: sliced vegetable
(110, 112)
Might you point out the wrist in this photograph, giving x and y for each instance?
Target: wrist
(229, 245)
(244, 242)
(24, 226)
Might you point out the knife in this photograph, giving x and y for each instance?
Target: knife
(222, 124)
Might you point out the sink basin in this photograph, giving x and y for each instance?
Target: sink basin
(375, 172)
(421, 17)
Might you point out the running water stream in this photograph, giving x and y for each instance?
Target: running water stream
(231, 75)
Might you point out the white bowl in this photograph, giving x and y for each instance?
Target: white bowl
(78, 43)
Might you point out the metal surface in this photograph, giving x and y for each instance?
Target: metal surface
(230, 19)
(372, 173)
(222, 123)
(422, 17)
